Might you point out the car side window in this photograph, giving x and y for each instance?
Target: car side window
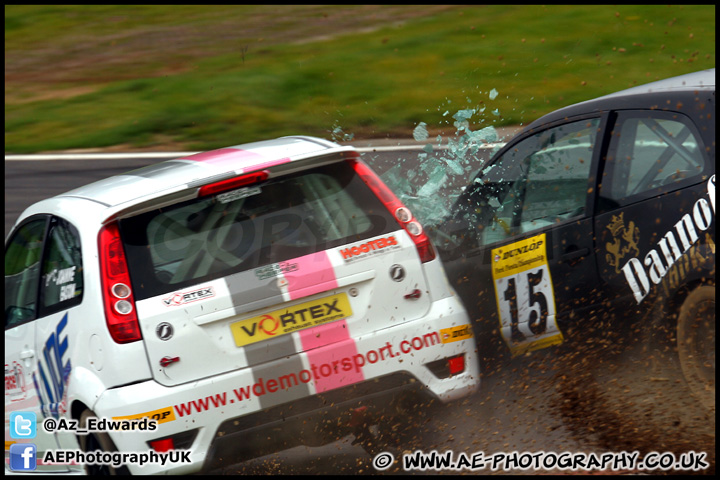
(540, 181)
(650, 152)
(62, 280)
(22, 272)
(557, 181)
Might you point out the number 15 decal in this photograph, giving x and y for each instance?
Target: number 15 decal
(524, 294)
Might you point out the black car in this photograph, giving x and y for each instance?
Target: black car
(596, 225)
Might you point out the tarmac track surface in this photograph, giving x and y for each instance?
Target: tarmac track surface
(548, 401)
(533, 405)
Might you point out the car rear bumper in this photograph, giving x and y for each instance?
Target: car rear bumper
(216, 418)
(321, 419)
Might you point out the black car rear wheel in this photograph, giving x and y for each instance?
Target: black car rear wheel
(696, 343)
(98, 441)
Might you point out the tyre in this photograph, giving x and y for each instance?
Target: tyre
(101, 441)
(696, 344)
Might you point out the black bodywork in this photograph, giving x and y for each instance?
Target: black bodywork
(620, 253)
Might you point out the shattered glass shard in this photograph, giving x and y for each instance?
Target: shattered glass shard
(420, 133)
(435, 181)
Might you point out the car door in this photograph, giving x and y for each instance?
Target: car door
(43, 282)
(524, 227)
(656, 207)
(23, 253)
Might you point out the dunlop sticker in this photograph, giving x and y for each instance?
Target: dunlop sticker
(524, 294)
(291, 319)
(162, 415)
(455, 334)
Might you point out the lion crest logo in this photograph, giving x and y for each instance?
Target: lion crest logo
(625, 240)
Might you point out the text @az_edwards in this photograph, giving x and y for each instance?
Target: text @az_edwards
(93, 424)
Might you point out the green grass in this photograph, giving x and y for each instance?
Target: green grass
(206, 77)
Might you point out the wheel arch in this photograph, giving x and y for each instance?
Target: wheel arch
(86, 389)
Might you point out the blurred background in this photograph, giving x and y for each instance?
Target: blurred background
(188, 78)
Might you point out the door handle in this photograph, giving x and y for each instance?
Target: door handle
(572, 255)
(27, 354)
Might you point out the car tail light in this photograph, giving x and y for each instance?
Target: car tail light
(163, 445)
(401, 213)
(447, 367)
(235, 182)
(456, 364)
(178, 441)
(117, 294)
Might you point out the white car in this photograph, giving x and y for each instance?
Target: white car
(231, 303)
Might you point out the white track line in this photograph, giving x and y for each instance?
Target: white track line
(173, 155)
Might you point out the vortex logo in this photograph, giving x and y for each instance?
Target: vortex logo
(268, 325)
(187, 297)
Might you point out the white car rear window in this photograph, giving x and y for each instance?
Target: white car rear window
(242, 229)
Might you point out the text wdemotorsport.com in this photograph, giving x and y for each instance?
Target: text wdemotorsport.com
(621, 461)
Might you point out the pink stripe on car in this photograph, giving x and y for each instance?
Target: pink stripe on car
(315, 274)
(236, 159)
(331, 352)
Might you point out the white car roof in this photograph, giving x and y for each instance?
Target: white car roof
(202, 168)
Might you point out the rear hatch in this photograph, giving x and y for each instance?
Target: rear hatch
(281, 265)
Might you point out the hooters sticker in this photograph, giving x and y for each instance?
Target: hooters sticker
(369, 248)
